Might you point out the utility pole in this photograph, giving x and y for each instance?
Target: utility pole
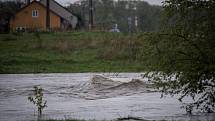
(90, 14)
(83, 12)
(47, 15)
(136, 18)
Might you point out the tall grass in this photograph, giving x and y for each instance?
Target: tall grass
(70, 52)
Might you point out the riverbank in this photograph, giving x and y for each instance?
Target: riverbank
(118, 119)
(69, 52)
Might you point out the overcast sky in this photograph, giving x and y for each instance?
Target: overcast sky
(154, 2)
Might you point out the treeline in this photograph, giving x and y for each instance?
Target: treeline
(8, 9)
(107, 13)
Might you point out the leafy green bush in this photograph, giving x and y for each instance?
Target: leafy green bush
(37, 99)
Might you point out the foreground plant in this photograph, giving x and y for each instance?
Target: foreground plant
(37, 99)
(182, 56)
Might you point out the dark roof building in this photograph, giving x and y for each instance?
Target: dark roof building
(63, 12)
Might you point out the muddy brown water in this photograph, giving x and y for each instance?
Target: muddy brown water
(80, 96)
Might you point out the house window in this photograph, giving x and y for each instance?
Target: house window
(35, 13)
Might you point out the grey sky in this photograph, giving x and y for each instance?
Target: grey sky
(154, 2)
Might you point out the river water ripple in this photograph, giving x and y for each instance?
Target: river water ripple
(81, 96)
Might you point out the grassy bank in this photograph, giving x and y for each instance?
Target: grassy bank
(69, 52)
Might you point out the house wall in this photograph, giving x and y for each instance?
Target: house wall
(64, 13)
(24, 18)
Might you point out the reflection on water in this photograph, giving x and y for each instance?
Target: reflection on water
(86, 96)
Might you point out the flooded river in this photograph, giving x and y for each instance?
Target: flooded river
(86, 96)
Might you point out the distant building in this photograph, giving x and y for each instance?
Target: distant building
(33, 17)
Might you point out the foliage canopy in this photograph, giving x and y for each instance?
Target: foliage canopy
(183, 53)
(110, 12)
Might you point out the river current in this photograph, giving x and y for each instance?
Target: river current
(89, 96)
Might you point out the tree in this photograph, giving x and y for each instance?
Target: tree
(183, 53)
(37, 99)
(7, 10)
(78, 8)
(110, 12)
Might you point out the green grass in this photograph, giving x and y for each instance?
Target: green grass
(68, 52)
